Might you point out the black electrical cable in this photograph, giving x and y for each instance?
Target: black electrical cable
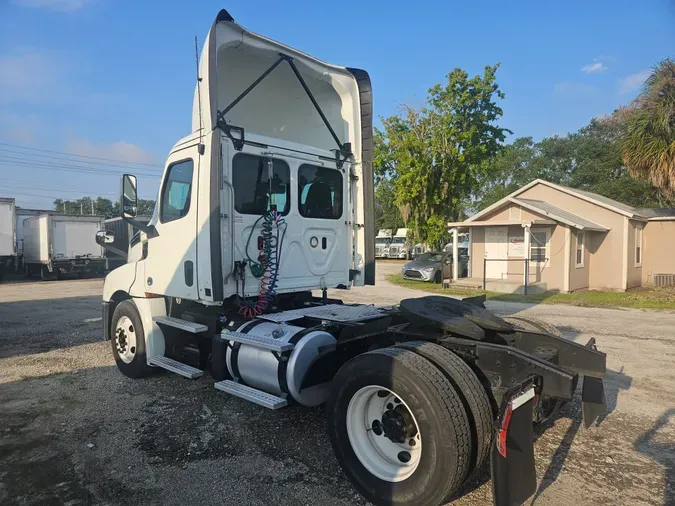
(248, 241)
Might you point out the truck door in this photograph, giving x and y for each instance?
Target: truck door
(171, 268)
(322, 191)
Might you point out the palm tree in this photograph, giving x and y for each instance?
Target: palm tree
(648, 145)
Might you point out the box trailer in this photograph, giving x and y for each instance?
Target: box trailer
(7, 234)
(58, 244)
(23, 214)
(271, 197)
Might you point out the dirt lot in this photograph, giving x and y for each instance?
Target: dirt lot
(75, 431)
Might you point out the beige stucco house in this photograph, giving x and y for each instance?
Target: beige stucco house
(574, 240)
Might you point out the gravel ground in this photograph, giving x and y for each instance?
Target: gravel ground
(74, 431)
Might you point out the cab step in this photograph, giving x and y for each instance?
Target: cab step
(177, 323)
(251, 394)
(266, 343)
(175, 366)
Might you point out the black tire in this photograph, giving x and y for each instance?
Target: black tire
(532, 325)
(138, 367)
(474, 397)
(437, 277)
(438, 409)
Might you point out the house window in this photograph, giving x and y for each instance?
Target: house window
(638, 247)
(580, 250)
(538, 246)
(514, 213)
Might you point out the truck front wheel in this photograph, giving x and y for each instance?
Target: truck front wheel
(128, 341)
(398, 428)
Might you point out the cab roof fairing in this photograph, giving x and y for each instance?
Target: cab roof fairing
(228, 37)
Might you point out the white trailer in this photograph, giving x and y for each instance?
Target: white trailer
(271, 197)
(23, 214)
(59, 244)
(7, 234)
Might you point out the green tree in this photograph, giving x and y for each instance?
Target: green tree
(387, 213)
(145, 207)
(101, 206)
(648, 146)
(589, 159)
(434, 155)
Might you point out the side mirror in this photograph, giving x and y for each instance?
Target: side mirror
(129, 197)
(104, 237)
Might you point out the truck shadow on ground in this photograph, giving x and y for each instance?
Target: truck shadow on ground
(615, 382)
(37, 326)
(660, 448)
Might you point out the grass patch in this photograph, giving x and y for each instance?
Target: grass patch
(638, 299)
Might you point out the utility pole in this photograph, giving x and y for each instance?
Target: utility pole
(92, 207)
(81, 208)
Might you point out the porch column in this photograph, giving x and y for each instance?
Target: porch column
(526, 252)
(455, 255)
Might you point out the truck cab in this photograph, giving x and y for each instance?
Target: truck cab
(272, 128)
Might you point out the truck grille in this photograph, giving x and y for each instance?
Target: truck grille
(413, 274)
(664, 279)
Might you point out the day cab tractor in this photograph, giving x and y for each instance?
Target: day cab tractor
(271, 198)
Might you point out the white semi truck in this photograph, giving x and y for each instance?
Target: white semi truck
(58, 244)
(7, 234)
(271, 197)
(382, 243)
(399, 247)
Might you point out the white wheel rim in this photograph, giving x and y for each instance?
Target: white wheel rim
(125, 339)
(389, 460)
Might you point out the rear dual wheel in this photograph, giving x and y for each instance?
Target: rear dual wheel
(400, 429)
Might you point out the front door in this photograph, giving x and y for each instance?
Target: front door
(171, 268)
(496, 250)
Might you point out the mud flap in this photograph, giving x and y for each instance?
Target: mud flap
(593, 402)
(514, 477)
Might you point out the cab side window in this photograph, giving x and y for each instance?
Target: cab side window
(254, 193)
(176, 192)
(319, 192)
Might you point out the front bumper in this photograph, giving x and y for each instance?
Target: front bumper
(417, 275)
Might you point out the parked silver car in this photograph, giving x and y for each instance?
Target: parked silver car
(430, 266)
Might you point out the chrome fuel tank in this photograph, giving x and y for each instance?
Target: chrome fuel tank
(285, 374)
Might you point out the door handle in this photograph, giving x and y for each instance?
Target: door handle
(188, 271)
(231, 216)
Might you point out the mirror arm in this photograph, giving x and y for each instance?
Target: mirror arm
(149, 230)
(115, 250)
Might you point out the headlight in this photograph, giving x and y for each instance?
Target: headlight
(428, 270)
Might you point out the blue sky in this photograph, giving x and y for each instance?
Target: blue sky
(114, 79)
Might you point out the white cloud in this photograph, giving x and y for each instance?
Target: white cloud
(20, 128)
(29, 75)
(632, 82)
(56, 5)
(593, 68)
(120, 150)
(572, 89)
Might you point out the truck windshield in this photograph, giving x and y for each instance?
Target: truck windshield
(398, 240)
